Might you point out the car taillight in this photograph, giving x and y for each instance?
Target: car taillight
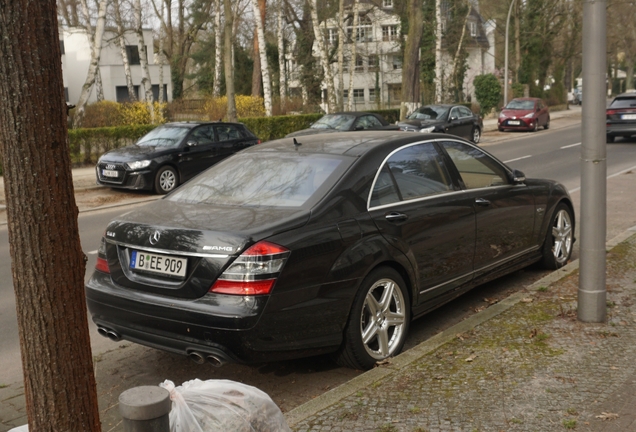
(102, 263)
(611, 112)
(259, 142)
(254, 272)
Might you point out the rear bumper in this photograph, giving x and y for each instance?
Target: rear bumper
(618, 129)
(234, 328)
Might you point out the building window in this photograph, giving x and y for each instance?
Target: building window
(472, 26)
(62, 47)
(443, 25)
(387, 3)
(332, 36)
(395, 94)
(374, 62)
(132, 52)
(345, 95)
(389, 33)
(121, 93)
(396, 62)
(359, 63)
(66, 93)
(358, 95)
(372, 95)
(155, 92)
(365, 30)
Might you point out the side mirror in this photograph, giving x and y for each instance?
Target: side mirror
(192, 143)
(453, 118)
(359, 128)
(518, 177)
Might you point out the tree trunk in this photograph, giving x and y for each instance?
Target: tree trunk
(143, 61)
(122, 48)
(455, 73)
(218, 35)
(96, 43)
(354, 44)
(411, 64)
(59, 382)
(229, 69)
(438, 52)
(162, 60)
(517, 43)
(282, 76)
(99, 87)
(257, 72)
(267, 87)
(629, 79)
(324, 58)
(341, 40)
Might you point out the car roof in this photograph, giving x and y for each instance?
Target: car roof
(628, 94)
(343, 143)
(527, 98)
(192, 124)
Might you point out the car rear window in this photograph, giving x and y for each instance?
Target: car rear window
(265, 180)
(625, 102)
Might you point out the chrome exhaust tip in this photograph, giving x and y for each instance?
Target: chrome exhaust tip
(113, 335)
(102, 331)
(196, 357)
(214, 360)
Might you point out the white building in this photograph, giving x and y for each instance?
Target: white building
(377, 78)
(76, 57)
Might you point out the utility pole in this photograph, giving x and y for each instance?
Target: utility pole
(506, 55)
(592, 290)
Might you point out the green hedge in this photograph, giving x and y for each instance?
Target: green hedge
(87, 145)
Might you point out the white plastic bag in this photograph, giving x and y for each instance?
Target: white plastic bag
(222, 405)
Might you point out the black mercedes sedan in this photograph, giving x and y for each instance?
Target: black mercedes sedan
(171, 154)
(451, 119)
(325, 244)
(346, 121)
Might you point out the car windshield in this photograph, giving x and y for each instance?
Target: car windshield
(164, 136)
(334, 121)
(629, 102)
(428, 113)
(264, 180)
(516, 104)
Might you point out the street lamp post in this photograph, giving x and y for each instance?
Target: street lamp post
(506, 55)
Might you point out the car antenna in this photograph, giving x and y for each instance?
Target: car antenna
(296, 143)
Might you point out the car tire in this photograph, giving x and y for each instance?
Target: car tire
(166, 180)
(501, 129)
(382, 311)
(547, 125)
(610, 138)
(557, 247)
(476, 135)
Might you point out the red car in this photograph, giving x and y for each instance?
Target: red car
(524, 114)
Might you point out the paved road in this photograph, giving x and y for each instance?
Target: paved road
(551, 154)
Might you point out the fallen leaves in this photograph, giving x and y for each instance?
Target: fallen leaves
(607, 416)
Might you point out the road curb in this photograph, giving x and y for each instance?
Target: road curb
(405, 359)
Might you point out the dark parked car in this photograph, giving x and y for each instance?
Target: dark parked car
(346, 121)
(451, 119)
(328, 245)
(621, 116)
(524, 114)
(171, 154)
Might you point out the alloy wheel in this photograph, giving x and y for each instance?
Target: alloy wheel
(562, 236)
(167, 180)
(383, 319)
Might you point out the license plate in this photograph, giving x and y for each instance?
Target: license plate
(628, 117)
(110, 173)
(160, 264)
(514, 122)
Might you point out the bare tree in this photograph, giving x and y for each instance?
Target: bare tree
(455, 75)
(438, 52)
(267, 87)
(324, 58)
(354, 44)
(143, 60)
(257, 83)
(218, 32)
(411, 65)
(67, 10)
(122, 48)
(341, 42)
(59, 381)
(95, 40)
(229, 70)
(282, 77)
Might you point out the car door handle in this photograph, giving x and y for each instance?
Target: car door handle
(482, 202)
(396, 217)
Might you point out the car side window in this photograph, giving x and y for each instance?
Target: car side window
(454, 113)
(384, 190)
(476, 168)
(369, 122)
(465, 112)
(203, 135)
(418, 171)
(227, 132)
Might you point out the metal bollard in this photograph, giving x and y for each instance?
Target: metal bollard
(145, 409)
